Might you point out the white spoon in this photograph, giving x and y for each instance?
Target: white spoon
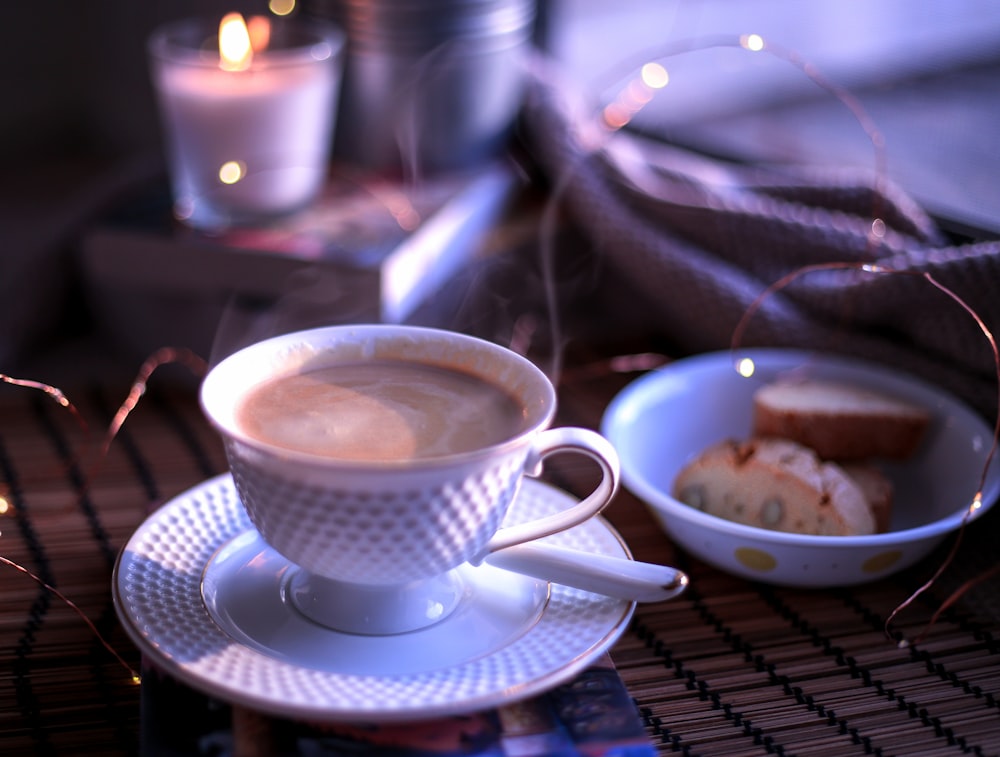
(612, 576)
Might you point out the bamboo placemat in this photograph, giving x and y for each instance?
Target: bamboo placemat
(732, 667)
(61, 691)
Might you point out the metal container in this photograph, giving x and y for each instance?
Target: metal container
(429, 85)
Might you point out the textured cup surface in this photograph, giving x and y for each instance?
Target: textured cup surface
(379, 527)
(386, 522)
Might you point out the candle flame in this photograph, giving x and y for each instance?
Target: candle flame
(235, 49)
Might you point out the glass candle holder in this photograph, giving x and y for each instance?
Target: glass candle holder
(246, 141)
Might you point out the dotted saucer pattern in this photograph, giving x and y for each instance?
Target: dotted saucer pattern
(157, 590)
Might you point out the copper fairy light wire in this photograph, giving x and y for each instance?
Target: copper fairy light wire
(135, 676)
(644, 78)
(163, 356)
(877, 231)
(63, 401)
(755, 43)
(977, 500)
(55, 393)
(652, 77)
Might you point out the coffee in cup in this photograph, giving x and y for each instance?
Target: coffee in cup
(380, 410)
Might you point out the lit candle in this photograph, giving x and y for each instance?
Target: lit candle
(248, 116)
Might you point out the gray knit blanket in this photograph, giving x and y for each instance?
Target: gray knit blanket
(777, 257)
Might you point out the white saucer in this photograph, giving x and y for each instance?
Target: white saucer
(204, 597)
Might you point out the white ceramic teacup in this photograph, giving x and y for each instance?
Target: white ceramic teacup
(375, 542)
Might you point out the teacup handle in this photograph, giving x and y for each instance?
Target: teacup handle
(550, 442)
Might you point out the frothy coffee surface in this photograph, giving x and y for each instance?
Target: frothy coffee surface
(380, 410)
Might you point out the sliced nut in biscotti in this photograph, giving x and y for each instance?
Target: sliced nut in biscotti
(774, 484)
(839, 421)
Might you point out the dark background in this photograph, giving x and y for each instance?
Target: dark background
(78, 124)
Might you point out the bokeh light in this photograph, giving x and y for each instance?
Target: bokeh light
(281, 7)
(232, 171)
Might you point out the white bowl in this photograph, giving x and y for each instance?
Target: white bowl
(663, 419)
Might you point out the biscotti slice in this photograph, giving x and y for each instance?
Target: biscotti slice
(774, 484)
(878, 490)
(839, 421)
